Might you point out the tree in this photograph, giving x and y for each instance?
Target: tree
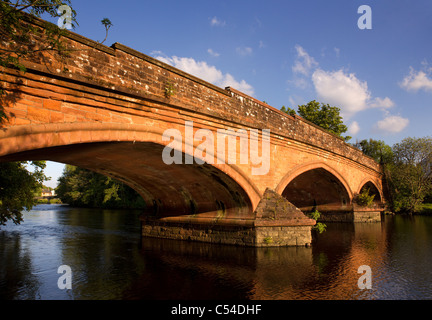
(17, 187)
(288, 110)
(83, 188)
(376, 149)
(322, 115)
(107, 24)
(410, 175)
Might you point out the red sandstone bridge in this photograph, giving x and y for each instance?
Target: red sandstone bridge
(106, 109)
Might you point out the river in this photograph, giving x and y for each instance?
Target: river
(109, 260)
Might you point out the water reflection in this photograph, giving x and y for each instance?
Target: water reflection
(110, 261)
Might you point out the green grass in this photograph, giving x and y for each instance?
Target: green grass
(427, 208)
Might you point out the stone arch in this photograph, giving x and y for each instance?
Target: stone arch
(296, 171)
(316, 185)
(373, 187)
(51, 141)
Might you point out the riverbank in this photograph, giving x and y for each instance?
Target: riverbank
(427, 209)
(49, 201)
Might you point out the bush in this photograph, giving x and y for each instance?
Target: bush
(320, 227)
(364, 199)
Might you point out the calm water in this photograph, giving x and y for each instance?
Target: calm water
(110, 261)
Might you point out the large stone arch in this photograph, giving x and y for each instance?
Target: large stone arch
(316, 185)
(374, 188)
(297, 170)
(112, 149)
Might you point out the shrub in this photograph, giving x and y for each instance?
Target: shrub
(364, 199)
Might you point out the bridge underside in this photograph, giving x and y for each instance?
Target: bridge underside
(192, 202)
(198, 191)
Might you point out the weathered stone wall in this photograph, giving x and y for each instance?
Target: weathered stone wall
(253, 236)
(367, 216)
(352, 216)
(222, 234)
(283, 236)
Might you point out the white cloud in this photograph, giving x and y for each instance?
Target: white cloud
(354, 128)
(304, 62)
(392, 124)
(301, 83)
(215, 22)
(208, 73)
(346, 91)
(341, 90)
(337, 52)
(416, 81)
(244, 51)
(385, 103)
(213, 53)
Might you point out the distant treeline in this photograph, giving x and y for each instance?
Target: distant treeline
(84, 188)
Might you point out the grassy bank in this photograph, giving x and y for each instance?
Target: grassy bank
(46, 201)
(427, 208)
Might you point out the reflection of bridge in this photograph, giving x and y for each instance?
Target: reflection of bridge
(106, 109)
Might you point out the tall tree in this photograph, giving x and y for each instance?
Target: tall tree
(323, 115)
(410, 175)
(17, 187)
(376, 149)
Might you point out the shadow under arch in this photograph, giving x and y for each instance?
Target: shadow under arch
(316, 186)
(373, 189)
(133, 155)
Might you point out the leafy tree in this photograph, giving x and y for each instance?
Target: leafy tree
(17, 187)
(84, 188)
(322, 115)
(377, 149)
(107, 24)
(288, 110)
(319, 226)
(365, 199)
(16, 29)
(410, 175)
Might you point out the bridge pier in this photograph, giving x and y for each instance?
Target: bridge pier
(275, 222)
(366, 214)
(355, 214)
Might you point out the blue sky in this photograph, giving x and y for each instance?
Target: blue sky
(289, 53)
